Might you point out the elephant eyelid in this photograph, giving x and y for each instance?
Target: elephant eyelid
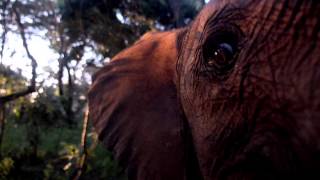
(211, 39)
(227, 19)
(221, 28)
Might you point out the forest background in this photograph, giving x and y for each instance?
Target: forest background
(48, 50)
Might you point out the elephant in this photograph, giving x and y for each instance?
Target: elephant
(234, 95)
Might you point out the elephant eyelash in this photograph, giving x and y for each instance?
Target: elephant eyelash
(221, 28)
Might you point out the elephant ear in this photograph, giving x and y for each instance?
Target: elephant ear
(134, 108)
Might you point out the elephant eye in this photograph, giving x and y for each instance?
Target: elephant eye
(219, 55)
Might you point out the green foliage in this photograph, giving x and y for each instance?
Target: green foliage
(10, 81)
(98, 20)
(56, 156)
(5, 167)
(41, 138)
(39, 144)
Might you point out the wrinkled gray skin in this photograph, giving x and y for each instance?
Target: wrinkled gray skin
(171, 115)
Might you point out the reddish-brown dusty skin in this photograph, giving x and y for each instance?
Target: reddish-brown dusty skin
(134, 107)
(236, 95)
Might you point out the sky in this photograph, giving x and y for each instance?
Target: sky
(15, 56)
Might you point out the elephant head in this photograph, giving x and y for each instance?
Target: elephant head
(235, 95)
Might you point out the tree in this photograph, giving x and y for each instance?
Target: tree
(74, 29)
(32, 86)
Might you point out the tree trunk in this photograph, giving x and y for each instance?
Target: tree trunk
(69, 110)
(2, 125)
(60, 76)
(175, 6)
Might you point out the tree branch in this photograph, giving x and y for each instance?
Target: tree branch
(32, 87)
(4, 26)
(83, 145)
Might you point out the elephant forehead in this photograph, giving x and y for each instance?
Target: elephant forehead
(251, 14)
(263, 22)
(216, 111)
